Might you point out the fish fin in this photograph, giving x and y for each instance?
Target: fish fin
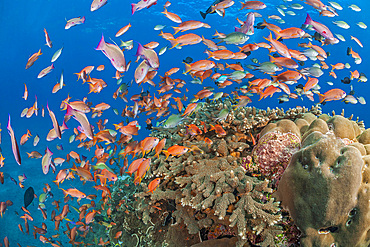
(308, 20)
(321, 98)
(140, 50)
(177, 29)
(133, 8)
(101, 44)
(187, 70)
(203, 14)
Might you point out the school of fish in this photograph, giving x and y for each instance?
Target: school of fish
(114, 150)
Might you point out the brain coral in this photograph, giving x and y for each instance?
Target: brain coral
(326, 185)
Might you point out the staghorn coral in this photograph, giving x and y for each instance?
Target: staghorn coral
(325, 186)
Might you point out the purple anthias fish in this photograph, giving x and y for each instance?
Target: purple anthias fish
(114, 53)
(141, 5)
(96, 4)
(149, 55)
(320, 28)
(15, 148)
(82, 119)
(55, 122)
(247, 27)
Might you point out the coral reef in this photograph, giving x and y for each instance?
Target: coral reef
(221, 193)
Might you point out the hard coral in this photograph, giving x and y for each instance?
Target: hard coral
(326, 185)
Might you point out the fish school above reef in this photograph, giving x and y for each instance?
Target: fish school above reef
(214, 170)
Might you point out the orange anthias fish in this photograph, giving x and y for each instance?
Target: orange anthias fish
(173, 17)
(186, 39)
(255, 5)
(25, 137)
(123, 30)
(311, 82)
(33, 59)
(153, 185)
(281, 48)
(333, 94)
(175, 150)
(47, 38)
(159, 147)
(141, 171)
(190, 108)
(190, 25)
(74, 193)
(218, 129)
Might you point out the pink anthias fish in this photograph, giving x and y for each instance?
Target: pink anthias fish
(82, 119)
(320, 28)
(52, 135)
(142, 4)
(141, 71)
(149, 55)
(97, 4)
(114, 53)
(45, 71)
(74, 21)
(247, 27)
(55, 122)
(46, 161)
(15, 148)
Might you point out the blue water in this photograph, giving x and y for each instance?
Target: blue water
(21, 31)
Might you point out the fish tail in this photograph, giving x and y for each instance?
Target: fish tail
(166, 153)
(133, 8)
(69, 110)
(187, 68)
(237, 29)
(177, 29)
(140, 50)
(203, 14)
(79, 75)
(264, 23)
(277, 34)
(101, 44)
(269, 38)
(308, 20)
(83, 19)
(321, 98)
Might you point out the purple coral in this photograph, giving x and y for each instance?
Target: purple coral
(273, 152)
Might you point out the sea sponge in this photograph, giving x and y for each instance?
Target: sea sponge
(276, 145)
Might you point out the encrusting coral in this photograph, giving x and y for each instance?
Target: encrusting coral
(220, 193)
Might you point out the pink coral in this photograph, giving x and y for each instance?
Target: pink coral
(273, 152)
